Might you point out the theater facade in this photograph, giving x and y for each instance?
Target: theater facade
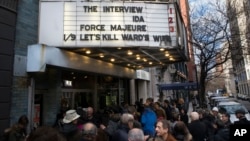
(98, 53)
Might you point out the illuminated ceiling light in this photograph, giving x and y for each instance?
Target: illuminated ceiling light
(112, 60)
(150, 63)
(119, 48)
(101, 55)
(138, 57)
(162, 49)
(144, 59)
(171, 59)
(166, 54)
(128, 65)
(130, 52)
(88, 52)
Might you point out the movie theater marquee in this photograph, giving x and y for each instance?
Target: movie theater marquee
(100, 24)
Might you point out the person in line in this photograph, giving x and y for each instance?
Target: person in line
(148, 118)
(184, 116)
(176, 118)
(132, 110)
(69, 129)
(168, 109)
(45, 133)
(181, 132)
(180, 104)
(160, 112)
(197, 128)
(174, 108)
(225, 118)
(111, 125)
(18, 132)
(163, 130)
(240, 114)
(125, 124)
(215, 113)
(135, 134)
(221, 132)
(208, 119)
(91, 117)
(89, 132)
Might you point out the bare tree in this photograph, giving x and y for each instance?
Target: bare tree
(211, 41)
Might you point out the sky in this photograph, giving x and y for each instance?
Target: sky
(194, 3)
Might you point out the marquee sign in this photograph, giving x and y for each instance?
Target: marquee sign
(100, 24)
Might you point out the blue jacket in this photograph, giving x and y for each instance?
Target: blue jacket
(148, 121)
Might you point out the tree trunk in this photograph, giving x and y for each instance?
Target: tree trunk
(202, 90)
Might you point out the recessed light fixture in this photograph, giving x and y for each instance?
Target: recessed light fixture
(145, 60)
(162, 49)
(167, 54)
(138, 57)
(101, 55)
(88, 52)
(128, 65)
(130, 52)
(150, 63)
(112, 59)
(171, 59)
(119, 48)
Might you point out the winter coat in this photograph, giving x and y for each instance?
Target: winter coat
(111, 127)
(198, 130)
(222, 135)
(70, 132)
(242, 121)
(148, 121)
(121, 133)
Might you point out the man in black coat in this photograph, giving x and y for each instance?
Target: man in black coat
(197, 128)
(240, 114)
(125, 124)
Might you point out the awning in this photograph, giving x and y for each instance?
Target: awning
(179, 86)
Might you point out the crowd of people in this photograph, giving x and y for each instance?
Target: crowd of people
(149, 121)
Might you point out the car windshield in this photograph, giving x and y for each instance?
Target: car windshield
(230, 109)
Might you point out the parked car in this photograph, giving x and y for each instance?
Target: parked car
(213, 99)
(218, 101)
(231, 107)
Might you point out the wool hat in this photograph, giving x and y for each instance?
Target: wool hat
(70, 116)
(215, 109)
(240, 111)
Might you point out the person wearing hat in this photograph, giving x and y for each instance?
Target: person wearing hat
(215, 113)
(69, 128)
(240, 114)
